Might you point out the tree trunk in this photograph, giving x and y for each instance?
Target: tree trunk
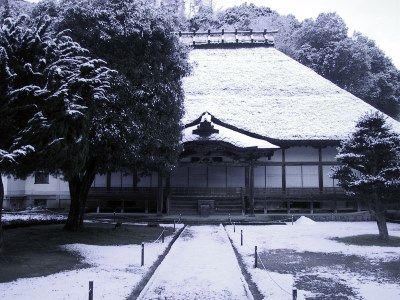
(1, 212)
(380, 216)
(79, 189)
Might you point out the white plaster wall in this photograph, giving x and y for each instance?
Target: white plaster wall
(5, 184)
(15, 186)
(301, 154)
(100, 181)
(56, 186)
(276, 157)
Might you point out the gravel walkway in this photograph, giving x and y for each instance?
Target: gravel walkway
(200, 265)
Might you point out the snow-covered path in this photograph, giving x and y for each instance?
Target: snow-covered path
(200, 265)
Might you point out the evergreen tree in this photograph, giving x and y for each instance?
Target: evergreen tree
(371, 165)
(140, 127)
(48, 89)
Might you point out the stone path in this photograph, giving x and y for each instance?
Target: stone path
(200, 265)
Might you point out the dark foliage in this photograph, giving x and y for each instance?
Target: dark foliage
(371, 168)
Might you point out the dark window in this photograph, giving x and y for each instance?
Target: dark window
(41, 177)
(40, 202)
(217, 159)
(195, 159)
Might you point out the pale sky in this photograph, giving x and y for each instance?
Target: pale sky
(379, 20)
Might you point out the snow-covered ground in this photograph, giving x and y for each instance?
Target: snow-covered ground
(202, 265)
(306, 235)
(26, 216)
(115, 271)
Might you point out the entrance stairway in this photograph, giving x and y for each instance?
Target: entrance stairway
(192, 205)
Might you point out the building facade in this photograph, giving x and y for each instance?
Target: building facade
(260, 136)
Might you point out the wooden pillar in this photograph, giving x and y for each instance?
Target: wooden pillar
(243, 202)
(311, 206)
(251, 189)
(160, 196)
(108, 181)
(247, 188)
(283, 171)
(135, 179)
(320, 171)
(284, 182)
(168, 193)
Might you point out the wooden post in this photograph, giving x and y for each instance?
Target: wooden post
(236, 36)
(180, 35)
(142, 260)
(162, 237)
(114, 216)
(209, 37)
(222, 36)
(251, 36)
(265, 35)
(255, 257)
(90, 290)
(241, 237)
(174, 225)
(294, 294)
(292, 219)
(243, 202)
(234, 228)
(194, 38)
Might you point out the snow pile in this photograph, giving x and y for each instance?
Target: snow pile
(304, 221)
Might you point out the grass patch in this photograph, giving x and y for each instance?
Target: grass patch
(369, 240)
(35, 250)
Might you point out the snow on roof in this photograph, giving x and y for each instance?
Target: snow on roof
(263, 91)
(224, 134)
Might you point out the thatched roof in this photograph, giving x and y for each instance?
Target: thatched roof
(266, 93)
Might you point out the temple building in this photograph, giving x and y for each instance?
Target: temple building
(260, 136)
